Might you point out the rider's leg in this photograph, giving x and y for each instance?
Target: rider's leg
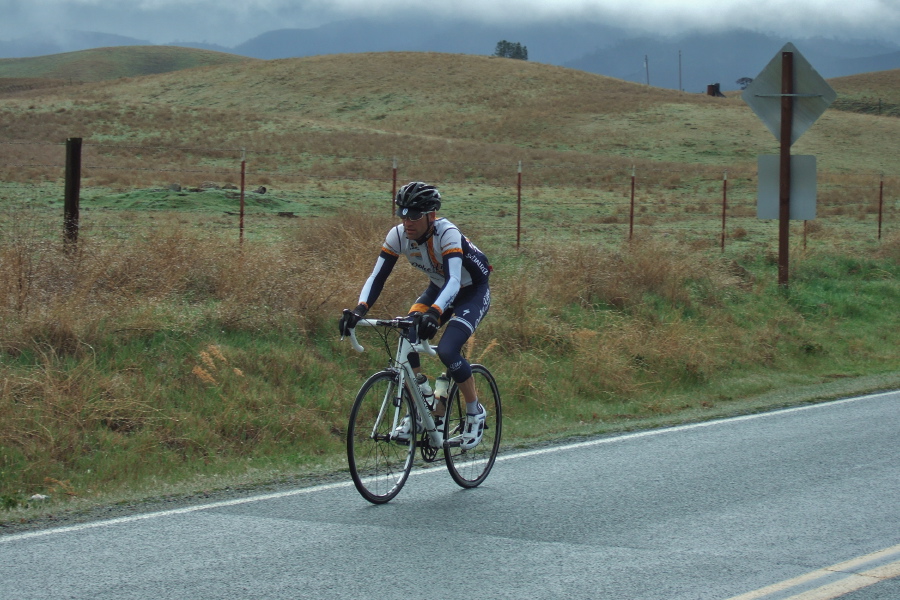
(467, 388)
(415, 362)
(472, 427)
(450, 352)
(470, 306)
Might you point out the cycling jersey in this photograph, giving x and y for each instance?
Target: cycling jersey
(449, 259)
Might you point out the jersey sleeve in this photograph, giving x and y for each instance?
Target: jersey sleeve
(387, 258)
(452, 260)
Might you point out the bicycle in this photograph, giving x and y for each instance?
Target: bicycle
(380, 463)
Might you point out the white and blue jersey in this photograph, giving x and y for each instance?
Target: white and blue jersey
(458, 273)
(449, 259)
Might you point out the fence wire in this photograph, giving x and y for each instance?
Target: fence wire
(124, 186)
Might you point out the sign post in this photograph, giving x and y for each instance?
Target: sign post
(784, 189)
(788, 96)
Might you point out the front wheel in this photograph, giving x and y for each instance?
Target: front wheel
(470, 467)
(379, 465)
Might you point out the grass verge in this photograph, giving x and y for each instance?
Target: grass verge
(179, 363)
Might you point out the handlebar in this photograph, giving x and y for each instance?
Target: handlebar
(396, 323)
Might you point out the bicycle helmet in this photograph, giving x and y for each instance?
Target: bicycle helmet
(416, 198)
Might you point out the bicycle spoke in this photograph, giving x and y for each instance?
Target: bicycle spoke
(470, 467)
(378, 465)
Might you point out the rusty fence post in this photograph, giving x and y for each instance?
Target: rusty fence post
(631, 212)
(394, 185)
(243, 187)
(724, 206)
(519, 206)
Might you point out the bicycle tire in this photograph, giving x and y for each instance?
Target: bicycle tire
(469, 468)
(379, 466)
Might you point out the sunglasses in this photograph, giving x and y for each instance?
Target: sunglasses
(407, 214)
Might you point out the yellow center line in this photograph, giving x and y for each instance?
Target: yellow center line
(853, 581)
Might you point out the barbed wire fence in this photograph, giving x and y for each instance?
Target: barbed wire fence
(120, 189)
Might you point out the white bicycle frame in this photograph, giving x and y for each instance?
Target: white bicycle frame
(405, 374)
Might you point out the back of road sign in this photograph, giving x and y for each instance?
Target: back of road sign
(803, 187)
(812, 95)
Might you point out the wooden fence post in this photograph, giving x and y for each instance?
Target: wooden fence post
(72, 193)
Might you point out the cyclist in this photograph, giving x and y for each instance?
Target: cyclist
(458, 293)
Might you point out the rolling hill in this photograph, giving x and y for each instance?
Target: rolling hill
(875, 93)
(440, 107)
(102, 64)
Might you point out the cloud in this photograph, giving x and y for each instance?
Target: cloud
(225, 22)
(230, 22)
(667, 16)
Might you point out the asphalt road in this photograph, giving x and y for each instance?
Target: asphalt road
(715, 511)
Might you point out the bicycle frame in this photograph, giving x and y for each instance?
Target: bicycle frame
(405, 375)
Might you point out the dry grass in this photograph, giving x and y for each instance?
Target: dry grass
(638, 302)
(251, 284)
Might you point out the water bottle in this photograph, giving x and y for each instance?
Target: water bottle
(441, 388)
(427, 394)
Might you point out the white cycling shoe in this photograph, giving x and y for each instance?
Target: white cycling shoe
(473, 430)
(404, 429)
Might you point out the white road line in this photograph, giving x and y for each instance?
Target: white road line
(169, 513)
(676, 428)
(513, 456)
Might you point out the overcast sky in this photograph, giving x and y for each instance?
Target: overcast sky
(230, 22)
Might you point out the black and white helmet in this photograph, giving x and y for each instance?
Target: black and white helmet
(415, 199)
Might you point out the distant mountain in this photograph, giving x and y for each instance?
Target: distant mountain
(551, 43)
(64, 41)
(202, 46)
(697, 60)
(689, 62)
(882, 62)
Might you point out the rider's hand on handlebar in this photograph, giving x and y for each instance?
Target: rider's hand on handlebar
(428, 324)
(349, 319)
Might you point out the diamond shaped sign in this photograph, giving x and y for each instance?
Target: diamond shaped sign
(812, 95)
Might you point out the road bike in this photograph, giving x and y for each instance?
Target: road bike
(380, 462)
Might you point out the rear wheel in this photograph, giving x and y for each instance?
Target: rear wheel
(379, 465)
(470, 467)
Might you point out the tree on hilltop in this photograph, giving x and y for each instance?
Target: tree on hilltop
(511, 50)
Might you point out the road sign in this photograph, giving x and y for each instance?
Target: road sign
(803, 187)
(812, 95)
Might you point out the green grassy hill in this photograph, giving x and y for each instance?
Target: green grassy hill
(101, 64)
